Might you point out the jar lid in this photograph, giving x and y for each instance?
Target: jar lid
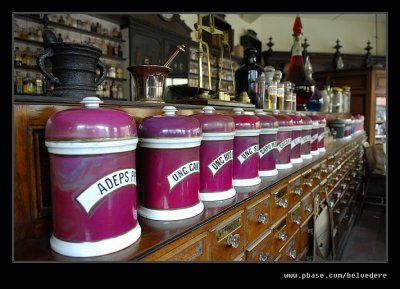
(246, 125)
(90, 123)
(169, 125)
(90, 130)
(307, 122)
(269, 124)
(346, 88)
(337, 123)
(337, 89)
(216, 126)
(285, 123)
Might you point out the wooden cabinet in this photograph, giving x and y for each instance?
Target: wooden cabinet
(258, 224)
(366, 85)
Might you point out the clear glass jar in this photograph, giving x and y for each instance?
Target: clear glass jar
(111, 72)
(259, 91)
(287, 95)
(337, 100)
(326, 94)
(346, 98)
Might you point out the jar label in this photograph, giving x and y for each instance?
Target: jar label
(105, 186)
(220, 161)
(247, 153)
(295, 142)
(182, 172)
(267, 148)
(283, 144)
(321, 136)
(314, 137)
(306, 138)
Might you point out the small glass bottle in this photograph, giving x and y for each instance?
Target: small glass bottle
(38, 84)
(113, 90)
(269, 76)
(119, 54)
(28, 84)
(287, 86)
(296, 73)
(110, 49)
(17, 57)
(111, 72)
(246, 75)
(119, 72)
(18, 83)
(120, 93)
(280, 97)
(260, 91)
(99, 91)
(106, 90)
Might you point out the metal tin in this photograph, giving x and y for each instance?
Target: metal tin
(338, 125)
(93, 180)
(305, 149)
(245, 149)
(267, 144)
(283, 141)
(216, 155)
(295, 145)
(169, 166)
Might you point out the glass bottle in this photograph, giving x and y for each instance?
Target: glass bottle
(27, 87)
(17, 57)
(269, 76)
(120, 93)
(337, 99)
(280, 97)
(119, 72)
(18, 83)
(346, 98)
(246, 75)
(287, 86)
(106, 89)
(326, 97)
(111, 72)
(296, 73)
(38, 84)
(260, 91)
(119, 51)
(113, 90)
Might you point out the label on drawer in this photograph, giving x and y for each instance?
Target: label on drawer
(267, 148)
(105, 186)
(247, 153)
(227, 229)
(220, 161)
(182, 172)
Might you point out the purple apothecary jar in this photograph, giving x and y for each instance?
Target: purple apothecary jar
(283, 141)
(314, 134)
(295, 145)
(216, 155)
(245, 149)
(267, 151)
(347, 128)
(305, 149)
(169, 166)
(321, 133)
(93, 180)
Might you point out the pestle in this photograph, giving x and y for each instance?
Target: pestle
(178, 49)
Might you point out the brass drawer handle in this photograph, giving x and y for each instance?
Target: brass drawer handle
(308, 208)
(282, 203)
(293, 254)
(263, 257)
(233, 240)
(283, 235)
(262, 218)
(296, 219)
(298, 190)
(308, 182)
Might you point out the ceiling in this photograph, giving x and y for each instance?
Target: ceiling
(364, 17)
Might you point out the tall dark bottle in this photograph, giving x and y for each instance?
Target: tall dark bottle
(247, 74)
(304, 86)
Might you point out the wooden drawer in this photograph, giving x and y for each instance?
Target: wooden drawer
(317, 174)
(279, 203)
(240, 258)
(307, 206)
(227, 238)
(280, 234)
(195, 249)
(262, 250)
(306, 234)
(294, 219)
(291, 249)
(324, 169)
(257, 218)
(295, 190)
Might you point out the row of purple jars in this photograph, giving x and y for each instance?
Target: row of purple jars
(183, 160)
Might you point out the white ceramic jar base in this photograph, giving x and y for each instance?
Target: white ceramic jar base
(171, 215)
(321, 150)
(306, 157)
(284, 166)
(217, 196)
(296, 160)
(269, 173)
(92, 249)
(315, 153)
(246, 182)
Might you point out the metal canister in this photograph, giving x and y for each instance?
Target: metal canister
(295, 145)
(267, 144)
(93, 180)
(245, 149)
(283, 141)
(305, 149)
(314, 133)
(338, 126)
(169, 166)
(216, 155)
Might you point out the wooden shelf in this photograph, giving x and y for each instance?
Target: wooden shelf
(33, 42)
